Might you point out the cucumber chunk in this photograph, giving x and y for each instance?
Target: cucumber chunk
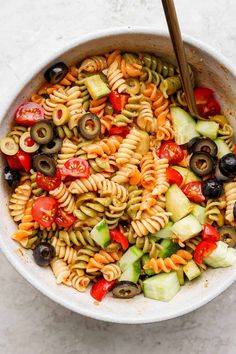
(161, 287)
(191, 270)
(184, 125)
(207, 128)
(187, 227)
(145, 259)
(191, 177)
(177, 203)
(169, 248)
(132, 255)
(96, 87)
(166, 232)
(223, 148)
(222, 256)
(132, 273)
(100, 234)
(180, 275)
(199, 213)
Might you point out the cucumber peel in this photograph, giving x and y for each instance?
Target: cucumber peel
(100, 234)
(132, 273)
(132, 255)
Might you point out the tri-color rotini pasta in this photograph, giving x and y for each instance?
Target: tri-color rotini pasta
(114, 184)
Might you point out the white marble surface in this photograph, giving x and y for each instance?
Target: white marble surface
(31, 323)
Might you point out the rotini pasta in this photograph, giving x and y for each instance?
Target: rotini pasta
(170, 263)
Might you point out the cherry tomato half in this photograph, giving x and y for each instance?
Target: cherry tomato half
(64, 219)
(20, 161)
(173, 176)
(117, 236)
(48, 183)
(193, 190)
(29, 113)
(76, 167)
(206, 103)
(121, 131)
(203, 249)
(171, 151)
(44, 211)
(210, 233)
(101, 288)
(118, 100)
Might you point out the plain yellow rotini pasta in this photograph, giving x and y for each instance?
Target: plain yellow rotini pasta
(19, 200)
(65, 198)
(61, 271)
(68, 151)
(161, 185)
(230, 195)
(128, 146)
(63, 251)
(90, 184)
(111, 272)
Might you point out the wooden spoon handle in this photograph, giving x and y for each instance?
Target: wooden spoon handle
(177, 42)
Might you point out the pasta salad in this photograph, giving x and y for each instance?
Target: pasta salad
(114, 184)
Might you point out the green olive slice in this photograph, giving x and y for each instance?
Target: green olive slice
(125, 289)
(228, 235)
(53, 146)
(42, 132)
(9, 146)
(27, 144)
(60, 115)
(44, 164)
(89, 126)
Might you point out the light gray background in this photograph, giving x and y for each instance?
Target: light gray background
(29, 322)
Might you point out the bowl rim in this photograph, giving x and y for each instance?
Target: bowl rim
(12, 257)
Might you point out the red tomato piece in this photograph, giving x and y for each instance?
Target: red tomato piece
(13, 162)
(44, 211)
(206, 103)
(101, 288)
(120, 238)
(118, 100)
(173, 176)
(48, 183)
(121, 131)
(210, 233)
(171, 151)
(29, 113)
(76, 167)
(64, 219)
(203, 249)
(193, 190)
(20, 161)
(234, 150)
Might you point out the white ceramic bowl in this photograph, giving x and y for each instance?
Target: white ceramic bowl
(212, 70)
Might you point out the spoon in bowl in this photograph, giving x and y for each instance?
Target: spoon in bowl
(177, 42)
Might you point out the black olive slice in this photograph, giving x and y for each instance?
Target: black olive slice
(42, 132)
(228, 235)
(205, 145)
(227, 165)
(125, 289)
(43, 254)
(191, 143)
(212, 188)
(221, 176)
(201, 163)
(11, 177)
(44, 164)
(89, 126)
(53, 146)
(56, 73)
